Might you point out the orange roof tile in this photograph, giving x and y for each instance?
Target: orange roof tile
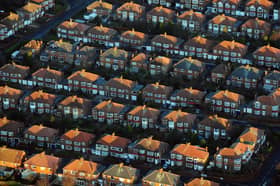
(179, 116)
(83, 76)
(226, 95)
(40, 130)
(257, 24)
(165, 38)
(11, 92)
(201, 182)
(100, 4)
(71, 25)
(251, 135)
(75, 101)
(14, 68)
(158, 88)
(40, 96)
(268, 51)
(263, 3)
(132, 34)
(160, 177)
(131, 7)
(151, 144)
(189, 150)
(216, 122)
(144, 111)
(77, 135)
(30, 7)
(224, 20)
(44, 160)
(110, 106)
(231, 46)
(159, 10)
(199, 42)
(10, 125)
(11, 155)
(162, 60)
(192, 15)
(121, 83)
(141, 57)
(81, 165)
(48, 73)
(114, 141)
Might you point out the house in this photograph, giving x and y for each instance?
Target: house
(40, 102)
(179, 120)
(102, 35)
(73, 30)
(85, 56)
(199, 5)
(166, 3)
(148, 149)
(219, 73)
(232, 158)
(215, 126)
(112, 145)
(46, 77)
(253, 136)
(32, 48)
(120, 174)
(75, 107)
(10, 130)
(82, 172)
(191, 20)
(10, 97)
(130, 11)
(100, 9)
(160, 177)
(156, 93)
(256, 28)
(228, 7)
(189, 156)
(160, 65)
(160, 14)
(30, 12)
(166, 43)
(109, 112)
(139, 62)
(58, 52)
(14, 72)
(187, 97)
(114, 58)
(133, 38)
(189, 68)
(245, 76)
(121, 88)
(11, 158)
(223, 24)
(271, 80)
(41, 136)
(225, 101)
(84, 81)
(45, 4)
(76, 140)
(258, 8)
(231, 51)
(267, 56)
(198, 46)
(9, 25)
(267, 105)
(202, 182)
(143, 116)
(43, 164)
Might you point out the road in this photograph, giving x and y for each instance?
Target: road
(75, 6)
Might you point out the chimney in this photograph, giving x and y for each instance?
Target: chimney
(6, 89)
(121, 164)
(5, 118)
(74, 98)
(40, 92)
(160, 170)
(113, 134)
(157, 84)
(165, 34)
(144, 107)
(82, 159)
(101, 26)
(83, 72)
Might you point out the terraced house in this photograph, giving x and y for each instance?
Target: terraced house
(73, 31)
(215, 126)
(160, 177)
(100, 9)
(267, 56)
(14, 72)
(11, 158)
(160, 14)
(228, 7)
(258, 8)
(120, 174)
(148, 149)
(41, 136)
(156, 93)
(191, 20)
(166, 3)
(102, 35)
(30, 12)
(10, 97)
(121, 88)
(139, 62)
(267, 105)
(271, 80)
(40, 102)
(43, 164)
(201, 181)
(143, 116)
(76, 140)
(130, 11)
(46, 77)
(219, 73)
(198, 46)
(189, 156)
(10, 130)
(160, 65)
(110, 112)
(223, 24)
(189, 68)
(231, 51)
(74, 107)
(179, 120)
(45, 4)
(9, 25)
(245, 76)
(114, 58)
(256, 28)
(167, 43)
(112, 145)
(85, 81)
(82, 172)
(186, 97)
(199, 5)
(133, 38)
(225, 101)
